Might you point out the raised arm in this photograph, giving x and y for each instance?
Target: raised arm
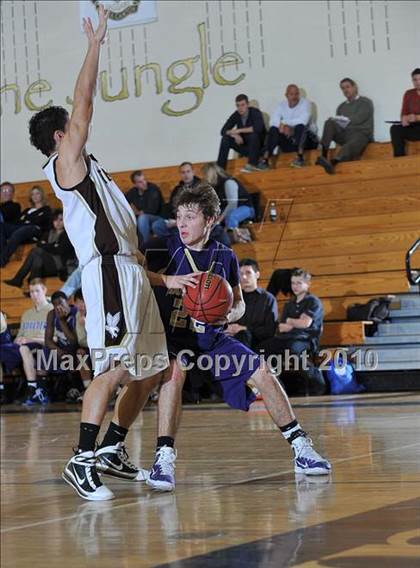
(71, 167)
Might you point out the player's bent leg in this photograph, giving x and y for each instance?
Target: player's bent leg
(112, 457)
(162, 473)
(80, 471)
(306, 459)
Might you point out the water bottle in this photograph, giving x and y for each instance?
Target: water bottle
(273, 212)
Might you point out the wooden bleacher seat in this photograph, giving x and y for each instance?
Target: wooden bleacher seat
(350, 230)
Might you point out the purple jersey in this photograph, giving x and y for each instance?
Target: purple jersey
(168, 256)
(185, 333)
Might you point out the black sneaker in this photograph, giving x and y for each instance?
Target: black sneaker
(114, 461)
(73, 395)
(323, 162)
(80, 472)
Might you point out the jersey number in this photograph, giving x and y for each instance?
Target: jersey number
(179, 318)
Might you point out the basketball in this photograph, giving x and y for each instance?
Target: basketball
(211, 300)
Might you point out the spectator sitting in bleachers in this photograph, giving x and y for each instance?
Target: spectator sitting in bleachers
(259, 320)
(235, 201)
(46, 258)
(352, 127)
(409, 129)
(9, 209)
(146, 201)
(299, 330)
(31, 336)
(82, 350)
(166, 225)
(34, 222)
(60, 350)
(244, 131)
(292, 128)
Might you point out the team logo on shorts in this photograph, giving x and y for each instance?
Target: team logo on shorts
(112, 322)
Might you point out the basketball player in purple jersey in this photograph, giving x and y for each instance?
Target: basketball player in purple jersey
(191, 250)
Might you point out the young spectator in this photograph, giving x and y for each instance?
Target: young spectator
(409, 129)
(82, 350)
(166, 225)
(145, 199)
(292, 128)
(60, 333)
(352, 127)
(300, 325)
(261, 313)
(236, 202)
(30, 337)
(9, 209)
(244, 131)
(47, 258)
(33, 223)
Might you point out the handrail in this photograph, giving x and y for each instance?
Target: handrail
(413, 280)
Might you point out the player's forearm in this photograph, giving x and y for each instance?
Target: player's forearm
(298, 323)
(156, 279)
(84, 90)
(237, 311)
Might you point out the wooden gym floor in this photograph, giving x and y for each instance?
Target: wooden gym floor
(237, 504)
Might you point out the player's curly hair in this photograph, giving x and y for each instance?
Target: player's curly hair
(202, 195)
(42, 126)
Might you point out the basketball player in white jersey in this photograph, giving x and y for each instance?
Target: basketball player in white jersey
(122, 318)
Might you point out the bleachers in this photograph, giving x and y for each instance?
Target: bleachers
(350, 230)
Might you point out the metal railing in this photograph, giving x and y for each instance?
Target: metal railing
(413, 274)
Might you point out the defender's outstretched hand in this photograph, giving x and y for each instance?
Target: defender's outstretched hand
(98, 35)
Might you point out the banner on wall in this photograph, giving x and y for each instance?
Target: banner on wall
(122, 13)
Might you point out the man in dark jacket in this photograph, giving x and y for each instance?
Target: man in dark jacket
(259, 320)
(166, 224)
(9, 209)
(145, 199)
(244, 131)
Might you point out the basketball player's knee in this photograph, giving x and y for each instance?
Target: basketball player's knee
(262, 377)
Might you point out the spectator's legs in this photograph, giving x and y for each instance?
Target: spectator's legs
(400, 133)
(237, 215)
(226, 143)
(272, 141)
(352, 148)
(161, 229)
(73, 282)
(218, 233)
(144, 226)
(23, 234)
(38, 263)
(253, 145)
(331, 129)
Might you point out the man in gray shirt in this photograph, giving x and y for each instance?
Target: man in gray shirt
(352, 127)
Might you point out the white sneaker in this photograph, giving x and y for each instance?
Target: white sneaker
(80, 472)
(307, 460)
(162, 473)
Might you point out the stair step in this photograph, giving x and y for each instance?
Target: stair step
(394, 366)
(393, 340)
(409, 301)
(406, 328)
(410, 312)
(387, 353)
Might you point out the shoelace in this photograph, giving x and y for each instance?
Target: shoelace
(165, 459)
(40, 395)
(124, 458)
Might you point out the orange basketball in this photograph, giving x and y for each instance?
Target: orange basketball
(210, 300)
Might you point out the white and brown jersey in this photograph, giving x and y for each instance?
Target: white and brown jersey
(98, 219)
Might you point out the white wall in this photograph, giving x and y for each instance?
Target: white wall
(312, 43)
